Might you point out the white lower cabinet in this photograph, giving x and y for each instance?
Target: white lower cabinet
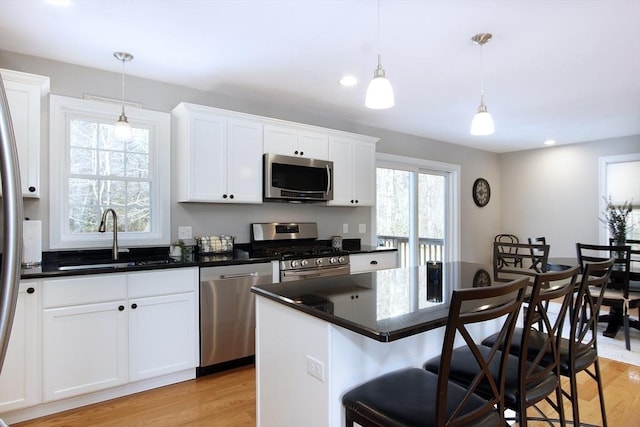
(84, 334)
(163, 329)
(372, 261)
(102, 331)
(21, 373)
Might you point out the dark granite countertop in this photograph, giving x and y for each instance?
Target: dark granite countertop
(98, 261)
(385, 305)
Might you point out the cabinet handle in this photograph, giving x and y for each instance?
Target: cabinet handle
(224, 196)
(134, 306)
(295, 152)
(231, 196)
(356, 200)
(302, 153)
(351, 296)
(373, 262)
(352, 201)
(32, 189)
(30, 290)
(121, 308)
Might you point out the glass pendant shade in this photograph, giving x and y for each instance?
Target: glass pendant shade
(122, 130)
(379, 93)
(482, 123)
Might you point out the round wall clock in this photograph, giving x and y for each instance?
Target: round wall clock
(481, 192)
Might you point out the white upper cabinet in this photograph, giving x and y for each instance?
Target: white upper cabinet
(354, 171)
(25, 93)
(292, 141)
(219, 156)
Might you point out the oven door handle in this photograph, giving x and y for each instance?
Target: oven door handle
(322, 272)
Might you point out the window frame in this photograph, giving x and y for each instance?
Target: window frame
(63, 109)
(451, 172)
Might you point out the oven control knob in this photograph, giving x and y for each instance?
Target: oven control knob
(304, 263)
(341, 260)
(294, 264)
(319, 261)
(332, 260)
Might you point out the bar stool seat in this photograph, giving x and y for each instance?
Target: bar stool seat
(408, 398)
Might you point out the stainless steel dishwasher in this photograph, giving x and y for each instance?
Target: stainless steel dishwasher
(227, 313)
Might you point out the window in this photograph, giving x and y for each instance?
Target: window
(416, 209)
(91, 171)
(620, 180)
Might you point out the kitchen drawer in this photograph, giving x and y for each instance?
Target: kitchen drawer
(373, 261)
(162, 282)
(89, 289)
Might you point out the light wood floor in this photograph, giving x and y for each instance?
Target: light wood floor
(228, 399)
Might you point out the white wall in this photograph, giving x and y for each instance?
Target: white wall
(553, 192)
(508, 210)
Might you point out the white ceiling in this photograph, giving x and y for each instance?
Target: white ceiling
(567, 70)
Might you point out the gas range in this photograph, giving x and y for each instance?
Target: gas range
(301, 254)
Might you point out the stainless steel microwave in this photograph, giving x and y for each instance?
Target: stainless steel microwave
(300, 179)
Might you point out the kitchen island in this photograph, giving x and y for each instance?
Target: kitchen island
(316, 339)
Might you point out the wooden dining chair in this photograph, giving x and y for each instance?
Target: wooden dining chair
(414, 396)
(508, 238)
(578, 350)
(536, 253)
(531, 260)
(528, 381)
(617, 295)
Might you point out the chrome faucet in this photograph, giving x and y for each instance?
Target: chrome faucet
(102, 228)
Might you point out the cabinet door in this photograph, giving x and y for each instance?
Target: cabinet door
(20, 379)
(281, 140)
(162, 335)
(313, 145)
(245, 161)
(364, 173)
(354, 172)
(84, 348)
(207, 164)
(24, 94)
(340, 153)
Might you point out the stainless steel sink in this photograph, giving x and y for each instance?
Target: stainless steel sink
(119, 264)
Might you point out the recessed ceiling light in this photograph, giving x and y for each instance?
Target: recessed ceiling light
(348, 81)
(549, 142)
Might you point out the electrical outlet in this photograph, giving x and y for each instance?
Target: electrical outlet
(345, 228)
(362, 228)
(185, 232)
(315, 368)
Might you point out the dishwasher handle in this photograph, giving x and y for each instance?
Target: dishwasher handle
(238, 275)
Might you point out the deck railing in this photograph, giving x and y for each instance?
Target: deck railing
(429, 249)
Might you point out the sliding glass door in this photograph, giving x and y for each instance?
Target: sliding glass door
(413, 211)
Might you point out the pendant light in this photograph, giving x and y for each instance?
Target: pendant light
(122, 130)
(379, 93)
(482, 123)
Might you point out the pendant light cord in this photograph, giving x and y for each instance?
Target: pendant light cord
(123, 61)
(482, 73)
(379, 42)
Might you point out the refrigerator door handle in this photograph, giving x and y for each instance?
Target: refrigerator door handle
(12, 225)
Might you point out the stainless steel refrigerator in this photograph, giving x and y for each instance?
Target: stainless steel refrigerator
(12, 216)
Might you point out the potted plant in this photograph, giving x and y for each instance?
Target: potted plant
(615, 218)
